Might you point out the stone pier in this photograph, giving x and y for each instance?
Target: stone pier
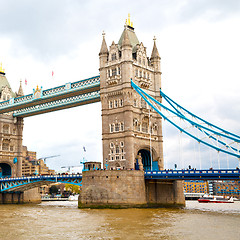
(28, 196)
(128, 188)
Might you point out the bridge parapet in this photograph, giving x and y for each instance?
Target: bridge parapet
(68, 95)
(215, 174)
(25, 183)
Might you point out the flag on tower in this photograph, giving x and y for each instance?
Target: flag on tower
(52, 73)
(84, 149)
(25, 81)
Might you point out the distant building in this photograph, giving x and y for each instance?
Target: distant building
(192, 186)
(33, 166)
(92, 165)
(226, 188)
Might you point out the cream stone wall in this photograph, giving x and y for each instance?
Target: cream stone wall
(122, 105)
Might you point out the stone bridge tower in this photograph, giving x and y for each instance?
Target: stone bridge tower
(11, 130)
(131, 132)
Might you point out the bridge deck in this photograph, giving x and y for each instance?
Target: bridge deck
(61, 97)
(24, 183)
(216, 174)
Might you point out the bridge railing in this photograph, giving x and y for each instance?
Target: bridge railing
(211, 174)
(90, 82)
(193, 171)
(41, 177)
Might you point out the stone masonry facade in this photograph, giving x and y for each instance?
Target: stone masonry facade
(129, 126)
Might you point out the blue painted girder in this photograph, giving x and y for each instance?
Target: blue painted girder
(216, 174)
(25, 183)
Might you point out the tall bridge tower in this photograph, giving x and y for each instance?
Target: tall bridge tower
(131, 132)
(11, 130)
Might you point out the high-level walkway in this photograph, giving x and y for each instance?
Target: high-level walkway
(65, 96)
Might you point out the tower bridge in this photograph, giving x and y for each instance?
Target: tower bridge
(129, 90)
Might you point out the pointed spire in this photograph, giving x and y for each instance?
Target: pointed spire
(155, 53)
(126, 41)
(20, 90)
(104, 49)
(2, 71)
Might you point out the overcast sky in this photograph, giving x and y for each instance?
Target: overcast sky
(198, 41)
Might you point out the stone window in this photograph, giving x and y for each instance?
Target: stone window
(122, 150)
(135, 102)
(111, 128)
(144, 75)
(110, 104)
(143, 103)
(117, 127)
(144, 127)
(109, 73)
(139, 127)
(115, 103)
(122, 157)
(5, 129)
(114, 72)
(122, 144)
(144, 61)
(122, 126)
(140, 73)
(11, 148)
(4, 97)
(112, 158)
(117, 149)
(14, 131)
(117, 157)
(136, 73)
(5, 146)
(114, 56)
(119, 71)
(120, 102)
(111, 145)
(8, 97)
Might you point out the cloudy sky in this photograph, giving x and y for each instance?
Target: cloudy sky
(198, 41)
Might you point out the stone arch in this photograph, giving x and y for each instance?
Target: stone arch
(147, 157)
(6, 170)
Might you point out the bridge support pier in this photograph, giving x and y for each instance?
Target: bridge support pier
(128, 188)
(29, 196)
(164, 193)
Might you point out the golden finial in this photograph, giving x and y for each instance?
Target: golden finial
(1, 69)
(128, 21)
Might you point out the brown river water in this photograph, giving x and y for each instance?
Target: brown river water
(63, 220)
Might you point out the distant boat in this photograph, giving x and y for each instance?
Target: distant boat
(215, 199)
(73, 198)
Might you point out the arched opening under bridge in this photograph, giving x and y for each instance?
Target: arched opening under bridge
(146, 158)
(5, 170)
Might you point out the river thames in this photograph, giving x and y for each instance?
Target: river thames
(63, 220)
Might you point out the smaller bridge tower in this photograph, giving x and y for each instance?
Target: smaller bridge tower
(11, 130)
(131, 132)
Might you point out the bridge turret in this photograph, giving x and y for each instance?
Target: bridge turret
(156, 62)
(128, 132)
(20, 90)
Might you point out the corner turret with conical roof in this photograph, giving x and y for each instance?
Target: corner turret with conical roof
(11, 130)
(127, 131)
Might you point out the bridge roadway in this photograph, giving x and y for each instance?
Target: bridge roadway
(65, 96)
(25, 183)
